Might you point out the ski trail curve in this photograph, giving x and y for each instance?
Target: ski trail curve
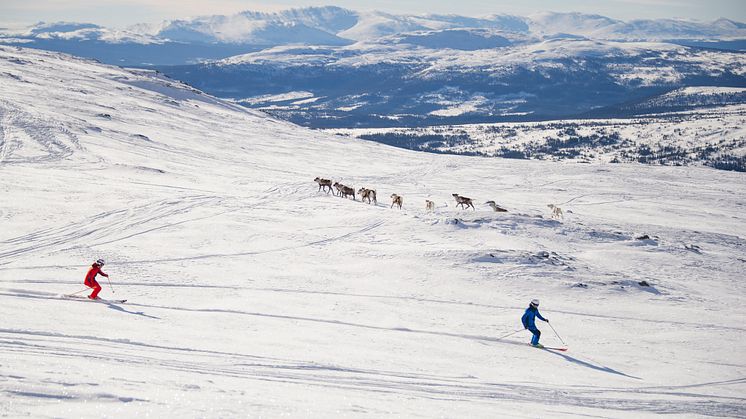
(107, 226)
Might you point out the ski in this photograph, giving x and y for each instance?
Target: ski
(97, 300)
(101, 300)
(548, 347)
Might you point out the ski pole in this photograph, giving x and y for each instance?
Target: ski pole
(112, 288)
(509, 334)
(78, 292)
(555, 332)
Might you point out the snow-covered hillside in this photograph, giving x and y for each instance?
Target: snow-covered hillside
(712, 134)
(250, 293)
(641, 63)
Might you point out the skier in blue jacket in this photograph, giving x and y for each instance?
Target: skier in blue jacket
(529, 321)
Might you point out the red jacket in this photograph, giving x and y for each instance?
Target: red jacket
(90, 277)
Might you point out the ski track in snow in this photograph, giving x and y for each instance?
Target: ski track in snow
(251, 293)
(27, 343)
(20, 130)
(99, 229)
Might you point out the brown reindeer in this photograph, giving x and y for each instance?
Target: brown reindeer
(429, 205)
(344, 191)
(463, 201)
(396, 200)
(368, 194)
(556, 212)
(323, 184)
(495, 207)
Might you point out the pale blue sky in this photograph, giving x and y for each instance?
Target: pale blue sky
(120, 13)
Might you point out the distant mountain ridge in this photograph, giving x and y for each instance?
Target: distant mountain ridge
(330, 67)
(335, 26)
(424, 78)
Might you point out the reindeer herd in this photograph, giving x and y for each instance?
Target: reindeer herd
(369, 195)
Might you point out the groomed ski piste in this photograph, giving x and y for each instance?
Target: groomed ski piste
(251, 294)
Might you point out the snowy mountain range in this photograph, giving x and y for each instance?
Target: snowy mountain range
(335, 26)
(404, 80)
(250, 292)
(329, 67)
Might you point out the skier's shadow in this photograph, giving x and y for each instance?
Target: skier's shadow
(115, 307)
(561, 354)
(50, 296)
(592, 366)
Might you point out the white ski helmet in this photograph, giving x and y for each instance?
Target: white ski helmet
(100, 262)
(535, 302)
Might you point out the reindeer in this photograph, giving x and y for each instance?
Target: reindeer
(323, 184)
(495, 207)
(463, 201)
(344, 191)
(429, 205)
(368, 194)
(396, 200)
(556, 212)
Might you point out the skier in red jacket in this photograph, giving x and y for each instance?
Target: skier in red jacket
(90, 278)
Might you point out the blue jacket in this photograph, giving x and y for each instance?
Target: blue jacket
(529, 317)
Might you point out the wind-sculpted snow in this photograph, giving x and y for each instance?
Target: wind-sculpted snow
(252, 293)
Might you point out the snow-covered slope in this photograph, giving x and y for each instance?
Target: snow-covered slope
(694, 96)
(253, 294)
(71, 31)
(631, 60)
(602, 27)
(241, 29)
(552, 23)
